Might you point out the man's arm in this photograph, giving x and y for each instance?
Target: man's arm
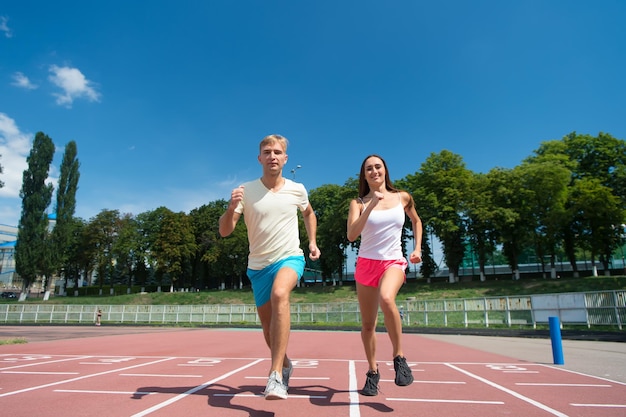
(310, 223)
(229, 219)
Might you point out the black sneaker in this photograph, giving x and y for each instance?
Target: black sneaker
(371, 384)
(404, 376)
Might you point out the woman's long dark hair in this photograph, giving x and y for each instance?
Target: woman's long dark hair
(364, 187)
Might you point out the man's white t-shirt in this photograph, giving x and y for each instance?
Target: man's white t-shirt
(272, 221)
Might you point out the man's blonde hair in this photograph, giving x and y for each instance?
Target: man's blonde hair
(272, 139)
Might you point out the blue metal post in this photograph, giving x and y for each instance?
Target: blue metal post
(555, 337)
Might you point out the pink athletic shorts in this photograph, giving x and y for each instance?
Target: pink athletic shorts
(370, 271)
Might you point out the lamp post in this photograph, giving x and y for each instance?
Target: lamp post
(293, 171)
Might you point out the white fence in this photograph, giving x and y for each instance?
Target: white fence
(603, 308)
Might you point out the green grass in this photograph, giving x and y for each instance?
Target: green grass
(15, 341)
(347, 293)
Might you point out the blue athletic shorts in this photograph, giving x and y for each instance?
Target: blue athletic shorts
(263, 279)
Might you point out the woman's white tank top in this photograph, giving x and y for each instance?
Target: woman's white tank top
(382, 234)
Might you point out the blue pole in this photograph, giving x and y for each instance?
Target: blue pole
(555, 337)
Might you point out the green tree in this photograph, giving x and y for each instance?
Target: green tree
(602, 157)
(510, 214)
(80, 257)
(126, 248)
(480, 211)
(173, 245)
(223, 260)
(32, 252)
(143, 268)
(546, 188)
(148, 223)
(598, 214)
(101, 234)
(444, 182)
(428, 264)
(62, 234)
(217, 260)
(331, 203)
(428, 267)
(425, 205)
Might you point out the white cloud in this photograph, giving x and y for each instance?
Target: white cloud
(22, 81)
(73, 84)
(14, 148)
(4, 27)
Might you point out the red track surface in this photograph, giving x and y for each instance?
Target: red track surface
(223, 373)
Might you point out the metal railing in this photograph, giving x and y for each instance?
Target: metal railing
(602, 308)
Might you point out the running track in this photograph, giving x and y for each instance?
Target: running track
(217, 372)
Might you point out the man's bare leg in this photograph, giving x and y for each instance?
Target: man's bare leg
(280, 324)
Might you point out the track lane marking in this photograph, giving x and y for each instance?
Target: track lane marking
(194, 389)
(293, 378)
(583, 374)
(83, 377)
(545, 384)
(427, 400)
(45, 362)
(39, 373)
(88, 391)
(429, 382)
(164, 375)
(305, 397)
(508, 391)
(354, 393)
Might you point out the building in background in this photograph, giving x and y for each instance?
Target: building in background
(8, 236)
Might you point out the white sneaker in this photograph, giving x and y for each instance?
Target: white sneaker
(287, 374)
(275, 389)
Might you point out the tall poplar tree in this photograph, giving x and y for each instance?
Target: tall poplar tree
(65, 208)
(32, 253)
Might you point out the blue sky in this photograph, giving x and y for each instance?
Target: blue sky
(168, 100)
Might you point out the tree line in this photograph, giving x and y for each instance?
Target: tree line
(568, 196)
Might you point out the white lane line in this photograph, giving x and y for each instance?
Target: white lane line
(195, 364)
(354, 394)
(600, 405)
(293, 378)
(542, 384)
(305, 397)
(194, 389)
(508, 391)
(569, 371)
(428, 382)
(427, 400)
(39, 373)
(83, 377)
(164, 375)
(45, 362)
(96, 363)
(87, 391)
